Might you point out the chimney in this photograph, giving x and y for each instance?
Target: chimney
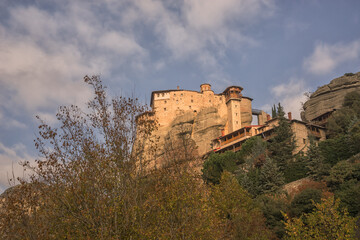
(177, 87)
(289, 116)
(268, 117)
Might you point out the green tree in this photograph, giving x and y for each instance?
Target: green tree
(270, 179)
(344, 180)
(272, 207)
(296, 169)
(342, 121)
(349, 193)
(341, 173)
(273, 112)
(303, 202)
(250, 180)
(316, 166)
(216, 164)
(326, 222)
(253, 152)
(343, 131)
(282, 145)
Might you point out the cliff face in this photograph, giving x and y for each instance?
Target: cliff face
(330, 96)
(198, 128)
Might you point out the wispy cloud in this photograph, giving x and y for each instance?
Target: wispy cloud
(44, 55)
(10, 157)
(326, 57)
(291, 95)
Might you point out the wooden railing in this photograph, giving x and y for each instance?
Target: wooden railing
(233, 139)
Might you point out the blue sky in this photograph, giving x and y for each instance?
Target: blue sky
(275, 50)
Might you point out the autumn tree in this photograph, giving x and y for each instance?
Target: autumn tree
(327, 221)
(239, 218)
(87, 179)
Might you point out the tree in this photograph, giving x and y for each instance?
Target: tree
(273, 111)
(341, 173)
(177, 207)
(327, 221)
(343, 131)
(316, 166)
(345, 118)
(282, 145)
(90, 184)
(296, 169)
(272, 207)
(217, 163)
(303, 201)
(271, 179)
(259, 174)
(87, 183)
(238, 216)
(253, 152)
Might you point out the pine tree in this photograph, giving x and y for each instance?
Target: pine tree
(282, 145)
(273, 112)
(271, 178)
(315, 162)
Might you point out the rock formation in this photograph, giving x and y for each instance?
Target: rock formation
(331, 96)
(200, 127)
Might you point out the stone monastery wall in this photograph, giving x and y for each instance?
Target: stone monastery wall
(214, 122)
(169, 104)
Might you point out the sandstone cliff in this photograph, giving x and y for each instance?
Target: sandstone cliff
(331, 96)
(199, 128)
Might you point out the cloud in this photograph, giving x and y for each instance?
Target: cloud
(327, 57)
(199, 30)
(293, 28)
(290, 95)
(45, 55)
(10, 123)
(10, 157)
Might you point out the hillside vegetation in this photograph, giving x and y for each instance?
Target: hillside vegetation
(90, 184)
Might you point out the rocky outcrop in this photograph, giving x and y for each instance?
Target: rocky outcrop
(207, 126)
(200, 128)
(330, 96)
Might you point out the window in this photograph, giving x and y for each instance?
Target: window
(192, 100)
(177, 101)
(174, 94)
(304, 140)
(162, 94)
(235, 105)
(189, 107)
(165, 101)
(209, 100)
(235, 114)
(158, 95)
(237, 122)
(164, 109)
(181, 94)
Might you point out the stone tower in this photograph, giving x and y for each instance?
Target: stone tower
(238, 108)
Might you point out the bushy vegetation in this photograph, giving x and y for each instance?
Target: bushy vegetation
(90, 184)
(333, 163)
